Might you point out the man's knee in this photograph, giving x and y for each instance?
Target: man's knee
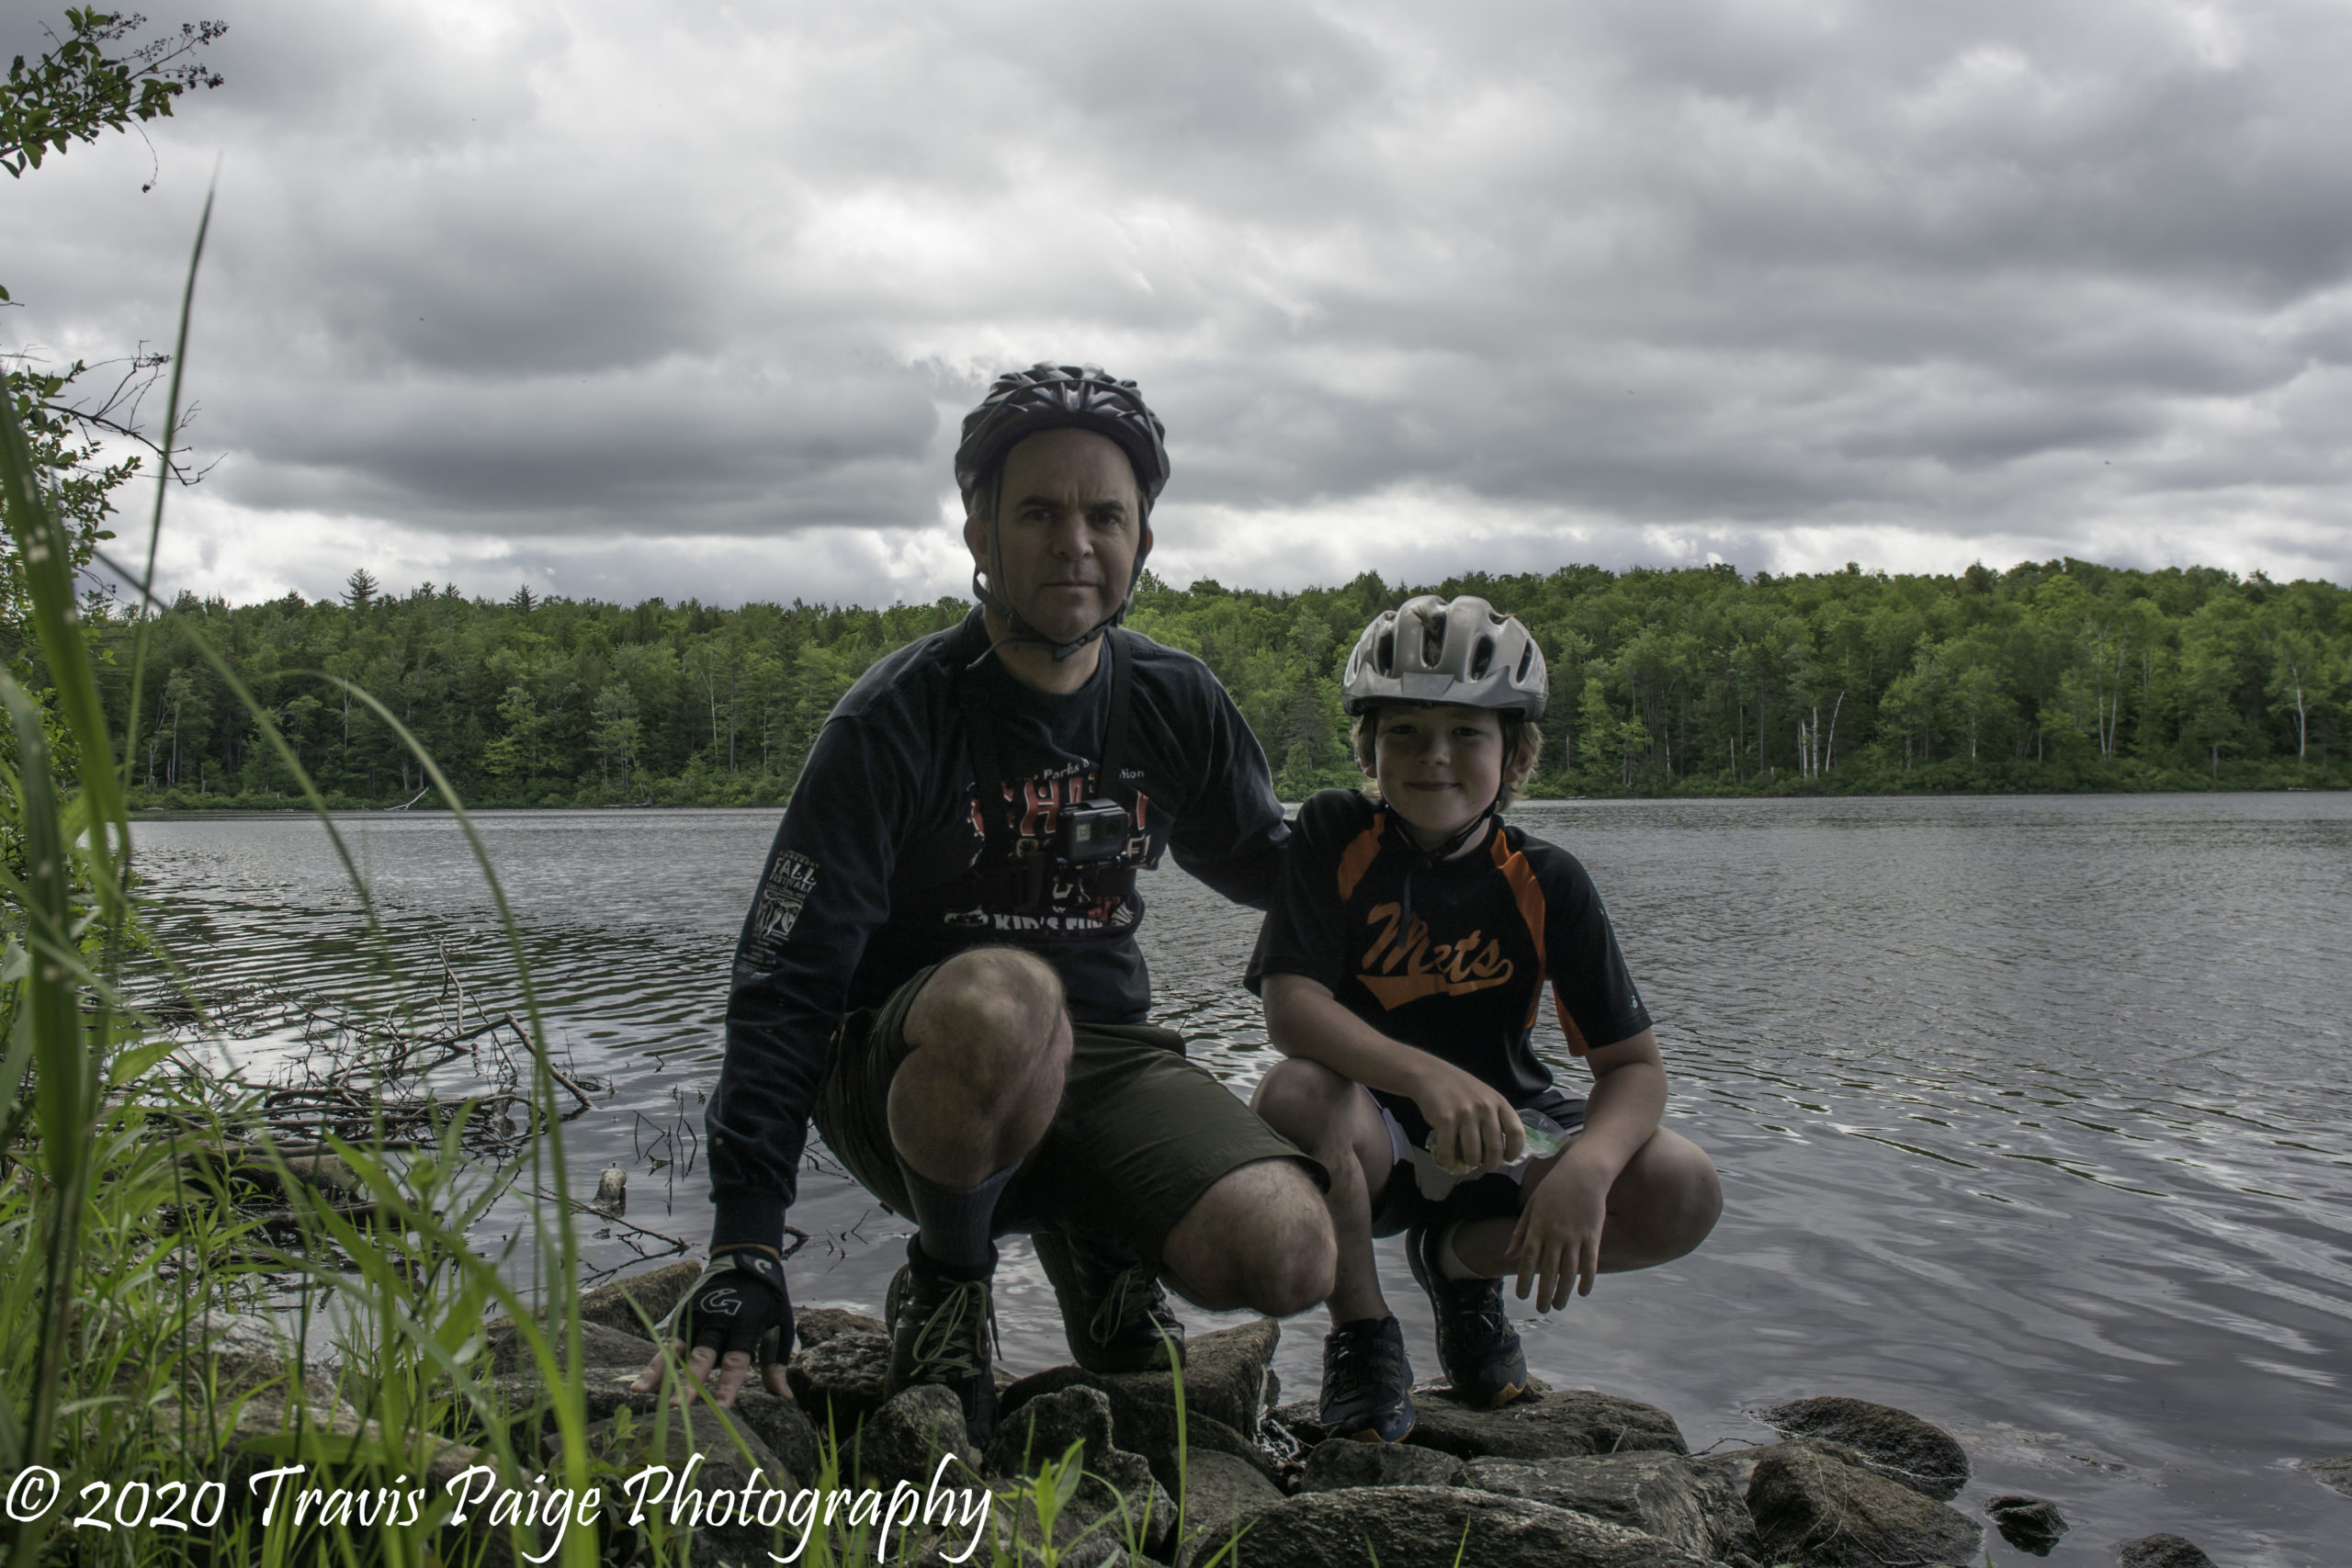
(993, 1017)
(1259, 1238)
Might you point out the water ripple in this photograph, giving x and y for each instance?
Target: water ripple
(2033, 1114)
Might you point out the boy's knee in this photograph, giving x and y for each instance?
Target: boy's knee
(1302, 1099)
(1683, 1195)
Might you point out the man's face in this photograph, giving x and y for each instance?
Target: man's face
(1069, 522)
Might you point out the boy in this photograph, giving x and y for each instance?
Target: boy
(1401, 966)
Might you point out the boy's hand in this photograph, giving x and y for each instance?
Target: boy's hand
(1477, 1128)
(1557, 1241)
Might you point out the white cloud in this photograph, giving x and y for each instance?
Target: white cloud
(690, 302)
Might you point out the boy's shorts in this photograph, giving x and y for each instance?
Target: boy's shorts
(1140, 1134)
(1418, 1193)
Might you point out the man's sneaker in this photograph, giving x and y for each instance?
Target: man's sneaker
(941, 1323)
(1367, 1381)
(1475, 1343)
(1113, 1311)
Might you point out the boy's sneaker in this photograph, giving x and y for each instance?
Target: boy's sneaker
(941, 1322)
(1367, 1381)
(1113, 1311)
(1475, 1343)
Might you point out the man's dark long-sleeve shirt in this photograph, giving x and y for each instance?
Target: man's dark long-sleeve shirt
(878, 871)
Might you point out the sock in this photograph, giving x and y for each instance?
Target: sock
(952, 1223)
(1449, 1261)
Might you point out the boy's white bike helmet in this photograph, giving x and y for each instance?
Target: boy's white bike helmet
(1455, 651)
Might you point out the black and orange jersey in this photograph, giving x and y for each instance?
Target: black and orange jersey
(1488, 928)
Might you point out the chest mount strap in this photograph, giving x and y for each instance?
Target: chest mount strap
(1014, 874)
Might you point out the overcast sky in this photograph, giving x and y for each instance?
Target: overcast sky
(619, 300)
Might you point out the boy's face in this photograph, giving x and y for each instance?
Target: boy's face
(1439, 768)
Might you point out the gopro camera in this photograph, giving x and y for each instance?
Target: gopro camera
(1091, 830)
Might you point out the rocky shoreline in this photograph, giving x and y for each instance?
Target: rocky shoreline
(1560, 1478)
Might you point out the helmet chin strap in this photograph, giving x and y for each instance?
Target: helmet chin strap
(1444, 851)
(1017, 628)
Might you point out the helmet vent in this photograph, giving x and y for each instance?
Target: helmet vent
(1481, 656)
(1526, 658)
(1385, 660)
(1432, 644)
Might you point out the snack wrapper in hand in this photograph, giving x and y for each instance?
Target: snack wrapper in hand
(1544, 1138)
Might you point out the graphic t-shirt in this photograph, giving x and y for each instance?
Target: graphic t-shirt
(1464, 978)
(882, 865)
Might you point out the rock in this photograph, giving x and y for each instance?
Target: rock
(1044, 1426)
(1299, 1422)
(1096, 1550)
(2161, 1552)
(1545, 1426)
(905, 1439)
(240, 1354)
(814, 1326)
(1344, 1461)
(2029, 1524)
(1116, 1482)
(601, 1349)
(1898, 1445)
(613, 1364)
(1738, 1466)
(1822, 1512)
(328, 1173)
(840, 1380)
(1106, 1516)
(712, 1499)
(616, 1305)
(1220, 1489)
(1658, 1494)
(2332, 1473)
(249, 1435)
(782, 1426)
(609, 1362)
(1148, 1426)
(1225, 1377)
(1424, 1527)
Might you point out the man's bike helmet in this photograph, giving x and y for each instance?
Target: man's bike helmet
(1455, 651)
(1057, 396)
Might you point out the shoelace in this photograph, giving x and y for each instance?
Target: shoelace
(1485, 1315)
(946, 1342)
(1364, 1354)
(1133, 1292)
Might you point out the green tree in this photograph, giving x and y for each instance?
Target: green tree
(86, 85)
(616, 731)
(515, 754)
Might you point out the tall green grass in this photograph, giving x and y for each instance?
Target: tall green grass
(122, 1240)
(108, 1242)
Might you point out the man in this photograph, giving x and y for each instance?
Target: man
(941, 965)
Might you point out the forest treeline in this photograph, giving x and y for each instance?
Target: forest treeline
(2063, 675)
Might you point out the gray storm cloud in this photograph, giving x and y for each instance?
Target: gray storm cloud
(685, 304)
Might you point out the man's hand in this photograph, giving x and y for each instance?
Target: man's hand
(1557, 1241)
(1477, 1128)
(738, 1308)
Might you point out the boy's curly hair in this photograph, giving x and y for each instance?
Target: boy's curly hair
(1522, 745)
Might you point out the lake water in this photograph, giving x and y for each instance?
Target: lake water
(2034, 1114)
